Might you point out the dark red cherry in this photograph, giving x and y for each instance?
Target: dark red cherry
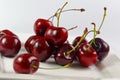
(86, 55)
(26, 64)
(56, 36)
(101, 47)
(9, 45)
(62, 56)
(41, 25)
(41, 49)
(30, 42)
(55, 49)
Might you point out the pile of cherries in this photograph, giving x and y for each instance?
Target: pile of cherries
(50, 40)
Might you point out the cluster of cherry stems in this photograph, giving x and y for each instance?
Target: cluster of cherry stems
(52, 40)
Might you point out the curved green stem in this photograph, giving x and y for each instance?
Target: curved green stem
(54, 14)
(72, 28)
(58, 16)
(81, 10)
(103, 18)
(82, 38)
(59, 67)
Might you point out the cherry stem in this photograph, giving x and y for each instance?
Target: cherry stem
(59, 14)
(72, 28)
(59, 67)
(102, 19)
(96, 32)
(56, 13)
(93, 40)
(81, 10)
(82, 38)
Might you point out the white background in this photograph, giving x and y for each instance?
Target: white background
(20, 15)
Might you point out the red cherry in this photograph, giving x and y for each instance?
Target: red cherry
(26, 64)
(9, 45)
(62, 57)
(56, 36)
(30, 42)
(86, 55)
(41, 25)
(38, 46)
(41, 49)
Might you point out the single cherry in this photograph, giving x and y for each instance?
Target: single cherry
(56, 36)
(9, 44)
(30, 42)
(101, 47)
(24, 63)
(62, 56)
(86, 55)
(41, 49)
(41, 25)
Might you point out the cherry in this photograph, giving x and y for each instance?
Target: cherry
(41, 25)
(9, 45)
(30, 42)
(38, 46)
(86, 55)
(101, 47)
(24, 63)
(56, 36)
(62, 56)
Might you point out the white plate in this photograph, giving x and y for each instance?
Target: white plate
(109, 68)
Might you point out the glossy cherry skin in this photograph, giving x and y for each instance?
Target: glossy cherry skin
(55, 49)
(30, 43)
(41, 25)
(8, 32)
(26, 63)
(85, 56)
(102, 48)
(61, 57)
(56, 36)
(42, 49)
(9, 45)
